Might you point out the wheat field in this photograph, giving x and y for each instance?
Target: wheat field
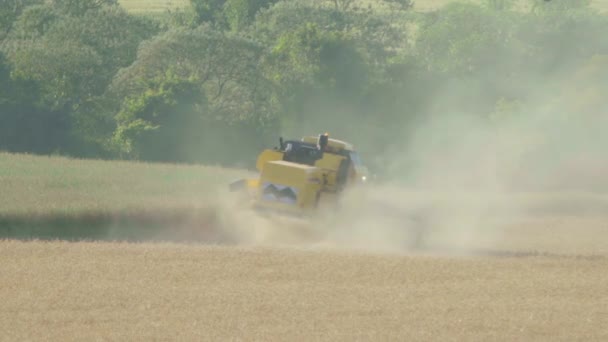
(142, 292)
(530, 271)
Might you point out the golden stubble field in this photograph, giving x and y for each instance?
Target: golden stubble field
(119, 291)
(521, 267)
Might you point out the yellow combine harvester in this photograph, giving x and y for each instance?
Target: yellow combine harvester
(303, 175)
(306, 178)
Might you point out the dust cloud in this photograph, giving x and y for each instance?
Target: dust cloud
(459, 181)
(455, 180)
(453, 184)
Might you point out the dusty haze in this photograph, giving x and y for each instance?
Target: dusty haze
(462, 181)
(459, 180)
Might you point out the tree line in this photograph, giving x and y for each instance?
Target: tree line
(217, 80)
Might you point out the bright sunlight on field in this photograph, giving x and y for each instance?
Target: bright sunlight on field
(34, 185)
(143, 6)
(537, 274)
(92, 291)
(57, 197)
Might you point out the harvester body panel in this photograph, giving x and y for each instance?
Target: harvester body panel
(288, 184)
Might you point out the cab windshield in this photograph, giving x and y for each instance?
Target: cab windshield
(301, 153)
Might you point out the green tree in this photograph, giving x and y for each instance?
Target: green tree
(226, 65)
(34, 22)
(5, 81)
(382, 36)
(227, 68)
(322, 78)
(209, 11)
(72, 59)
(240, 13)
(463, 38)
(330, 59)
(10, 10)
(563, 35)
(162, 123)
(6, 104)
(112, 33)
(26, 125)
(228, 14)
(66, 73)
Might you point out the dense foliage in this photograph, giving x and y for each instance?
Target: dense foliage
(219, 79)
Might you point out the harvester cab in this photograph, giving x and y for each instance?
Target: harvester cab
(299, 176)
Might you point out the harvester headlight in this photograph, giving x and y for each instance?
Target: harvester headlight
(364, 178)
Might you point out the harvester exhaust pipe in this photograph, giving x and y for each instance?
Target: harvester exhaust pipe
(322, 142)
